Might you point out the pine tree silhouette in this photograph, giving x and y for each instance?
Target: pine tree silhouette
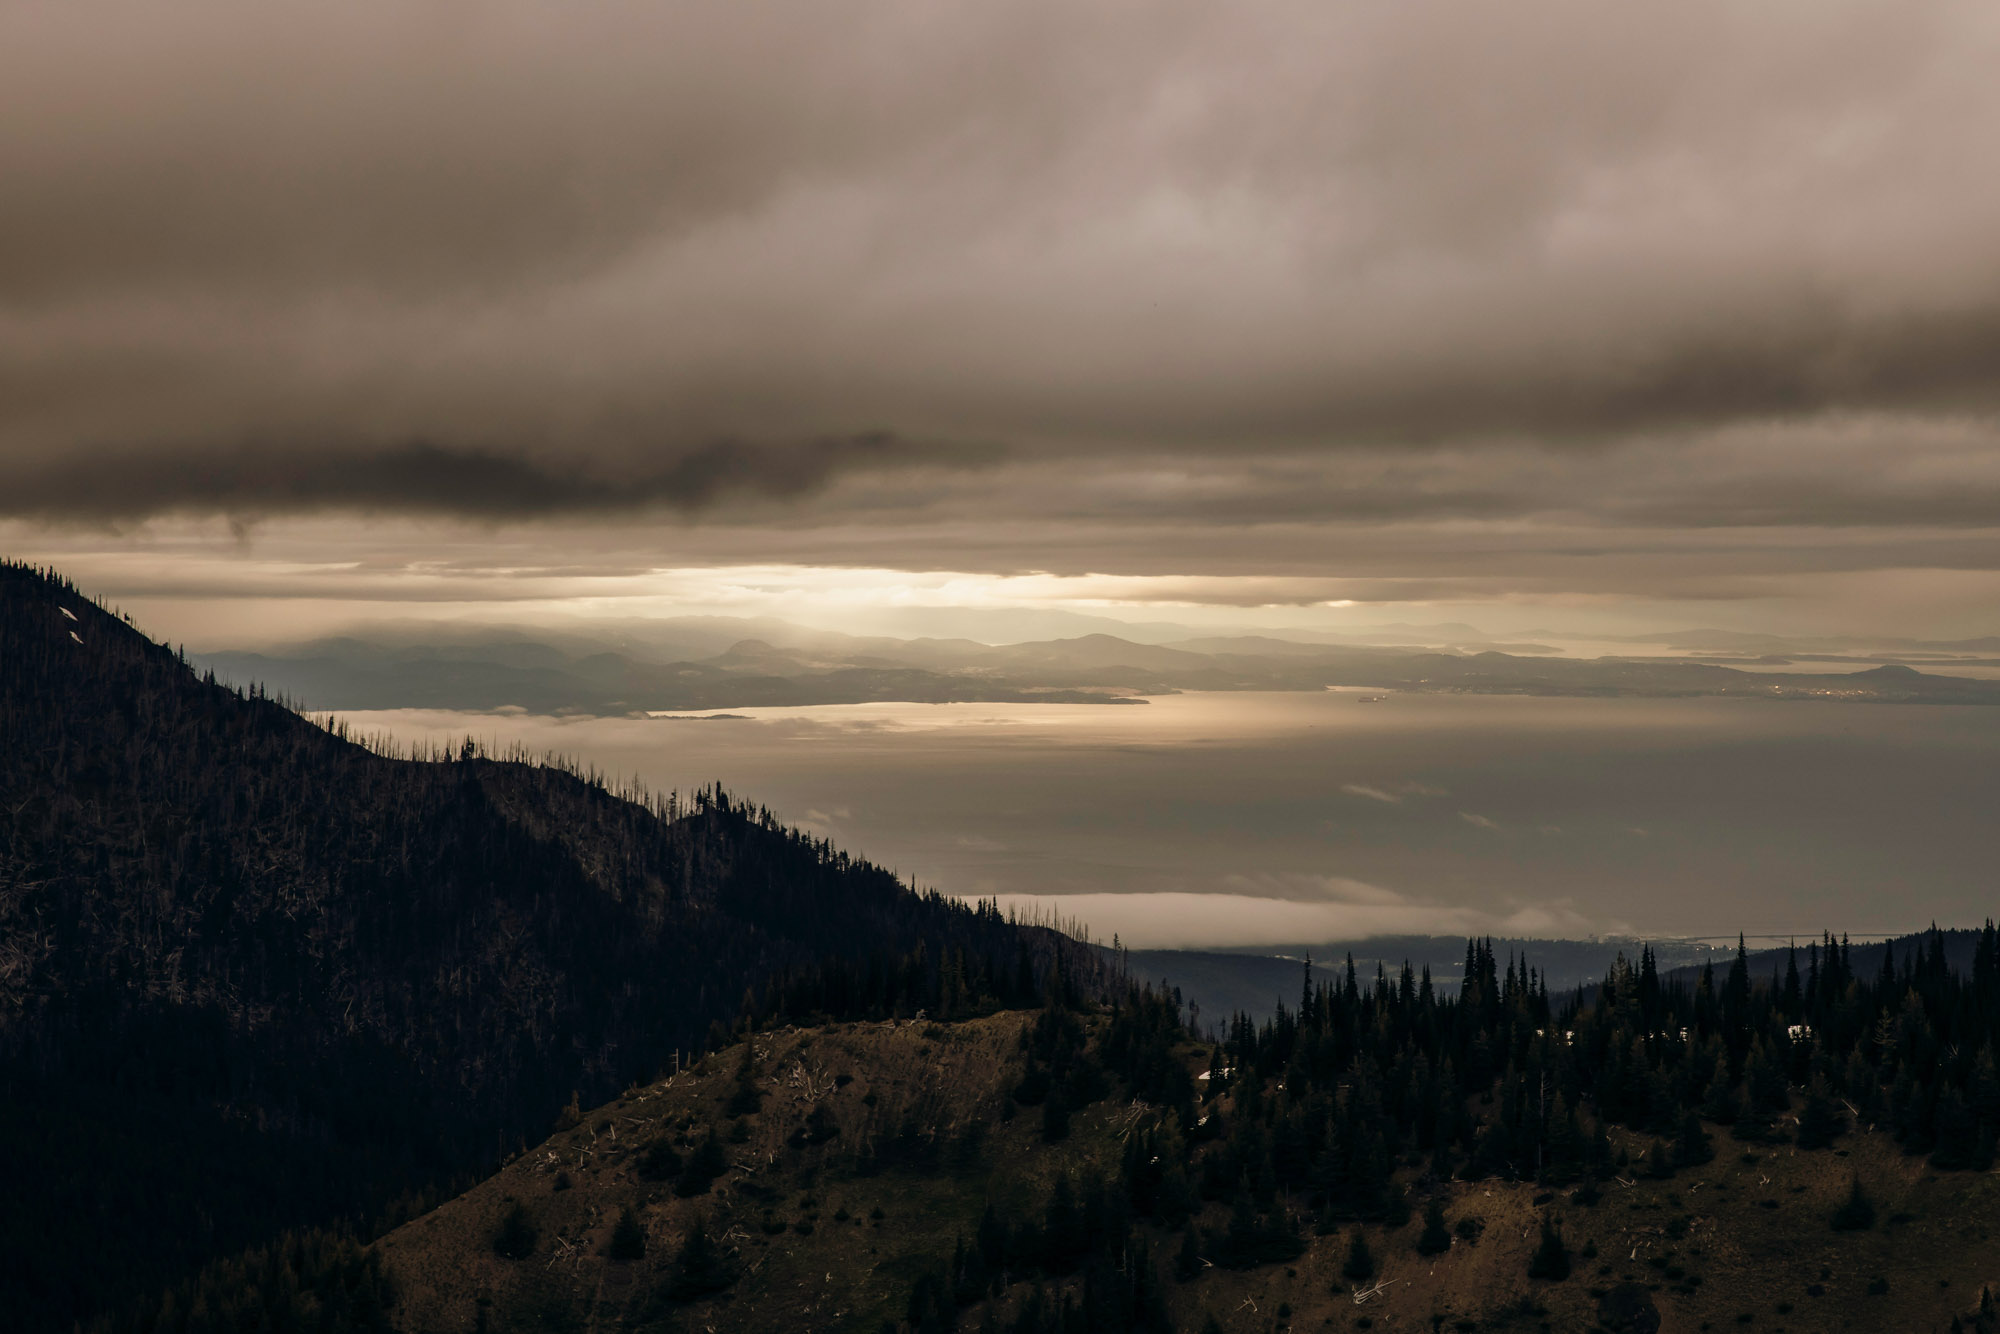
(1857, 1212)
(1435, 1239)
(1551, 1258)
(516, 1237)
(700, 1268)
(628, 1238)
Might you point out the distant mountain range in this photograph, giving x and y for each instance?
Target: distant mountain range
(676, 666)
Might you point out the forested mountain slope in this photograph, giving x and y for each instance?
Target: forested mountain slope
(254, 975)
(1810, 1154)
(1090, 1169)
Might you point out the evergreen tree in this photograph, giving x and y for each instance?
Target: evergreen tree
(516, 1237)
(746, 1098)
(1065, 1239)
(1435, 1239)
(932, 1309)
(703, 1166)
(659, 1162)
(628, 1238)
(992, 1240)
(1857, 1212)
(1820, 1121)
(1691, 1148)
(1055, 1117)
(1359, 1266)
(1720, 1101)
(1956, 1134)
(1239, 1247)
(1551, 1258)
(700, 1268)
(1187, 1264)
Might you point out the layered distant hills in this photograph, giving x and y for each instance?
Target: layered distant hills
(253, 975)
(714, 663)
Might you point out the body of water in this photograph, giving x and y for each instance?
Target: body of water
(1239, 818)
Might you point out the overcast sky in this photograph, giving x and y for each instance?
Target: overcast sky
(1668, 314)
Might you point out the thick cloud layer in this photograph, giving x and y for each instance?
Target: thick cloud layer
(424, 477)
(1270, 288)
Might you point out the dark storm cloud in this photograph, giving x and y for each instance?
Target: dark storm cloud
(1214, 276)
(426, 477)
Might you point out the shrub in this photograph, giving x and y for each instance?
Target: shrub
(1857, 1212)
(517, 1235)
(659, 1162)
(1033, 1087)
(818, 1127)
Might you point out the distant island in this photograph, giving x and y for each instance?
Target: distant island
(667, 671)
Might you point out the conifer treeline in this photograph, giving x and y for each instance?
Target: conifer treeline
(1325, 1100)
(1911, 1048)
(1307, 1116)
(993, 964)
(315, 1282)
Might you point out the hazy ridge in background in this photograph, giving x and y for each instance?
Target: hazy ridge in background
(721, 662)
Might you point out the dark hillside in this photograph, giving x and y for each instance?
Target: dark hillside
(253, 975)
(1484, 1157)
(910, 1178)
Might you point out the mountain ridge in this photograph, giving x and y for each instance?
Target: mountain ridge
(278, 977)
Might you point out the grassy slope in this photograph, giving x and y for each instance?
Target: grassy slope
(1934, 1241)
(845, 1274)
